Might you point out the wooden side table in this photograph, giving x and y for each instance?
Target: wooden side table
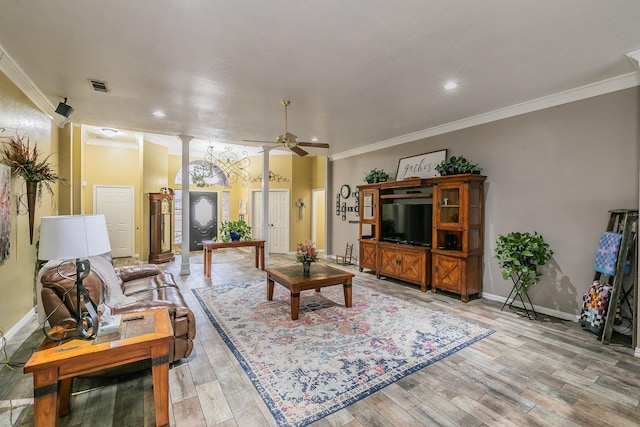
(146, 335)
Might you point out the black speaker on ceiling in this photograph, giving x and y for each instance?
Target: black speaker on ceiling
(64, 109)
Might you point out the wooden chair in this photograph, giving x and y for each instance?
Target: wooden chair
(347, 258)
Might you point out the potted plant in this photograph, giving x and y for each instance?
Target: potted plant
(37, 173)
(522, 255)
(457, 165)
(235, 231)
(376, 175)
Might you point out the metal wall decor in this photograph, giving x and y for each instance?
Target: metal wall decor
(272, 177)
(341, 207)
(231, 164)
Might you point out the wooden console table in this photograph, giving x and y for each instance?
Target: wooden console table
(147, 335)
(208, 246)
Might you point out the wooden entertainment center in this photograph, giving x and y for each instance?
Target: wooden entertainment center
(453, 259)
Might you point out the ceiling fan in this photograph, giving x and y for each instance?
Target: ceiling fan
(289, 140)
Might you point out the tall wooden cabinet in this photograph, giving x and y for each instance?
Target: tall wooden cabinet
(161, 228)
(457, 234)
(454, 260)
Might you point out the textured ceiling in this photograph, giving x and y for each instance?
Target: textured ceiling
(358, 72)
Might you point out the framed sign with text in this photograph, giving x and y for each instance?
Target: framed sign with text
(422, 166)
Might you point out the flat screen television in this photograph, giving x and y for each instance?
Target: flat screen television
(407, 223)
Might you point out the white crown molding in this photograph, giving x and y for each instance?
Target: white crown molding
(613, 84)
(634, 57)
(13, 71)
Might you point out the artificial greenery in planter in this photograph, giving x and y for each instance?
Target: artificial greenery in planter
(457, 165)
(235, 231)
(376, 175)
(522, 255)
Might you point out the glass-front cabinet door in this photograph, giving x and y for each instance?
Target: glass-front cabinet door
(449, 205)
(449, 212)
(368, 205)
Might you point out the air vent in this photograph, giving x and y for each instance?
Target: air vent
(99, 85)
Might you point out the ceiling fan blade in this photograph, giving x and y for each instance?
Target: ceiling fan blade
(299, 151)
(314, 144)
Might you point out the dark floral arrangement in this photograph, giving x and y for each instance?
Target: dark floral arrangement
(25, 162)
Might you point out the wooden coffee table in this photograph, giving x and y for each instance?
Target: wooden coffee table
(293, 279)
(55, 364)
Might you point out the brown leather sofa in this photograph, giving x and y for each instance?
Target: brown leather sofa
(150, 287)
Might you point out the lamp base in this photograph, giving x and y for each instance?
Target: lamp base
(86, 322)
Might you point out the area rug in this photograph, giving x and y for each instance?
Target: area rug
(331, 356)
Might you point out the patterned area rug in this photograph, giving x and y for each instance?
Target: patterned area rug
(331, 356)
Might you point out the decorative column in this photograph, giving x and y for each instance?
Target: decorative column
(186, 238)
(265, 198)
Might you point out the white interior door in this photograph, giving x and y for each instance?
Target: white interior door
(116, 203)
(278, 233)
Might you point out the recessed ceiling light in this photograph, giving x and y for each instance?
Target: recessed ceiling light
(159, 113)
(314, 139)
(450, 85)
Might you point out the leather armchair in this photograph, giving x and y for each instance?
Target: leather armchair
(147, 284)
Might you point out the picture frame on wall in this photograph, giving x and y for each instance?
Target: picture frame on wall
(421, 166)
(5, 214)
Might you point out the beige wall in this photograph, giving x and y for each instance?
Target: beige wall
(115, 166)
(155, 164)
(65, 201)
(19, 114)
(557, 171)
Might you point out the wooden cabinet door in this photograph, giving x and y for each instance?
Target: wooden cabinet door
(412, 266)
(448, 273)
(388, 261)
(367, 255)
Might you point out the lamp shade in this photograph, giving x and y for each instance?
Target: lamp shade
(73, 236)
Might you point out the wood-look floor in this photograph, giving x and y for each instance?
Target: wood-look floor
(545, 372)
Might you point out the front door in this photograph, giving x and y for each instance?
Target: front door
(203, 224)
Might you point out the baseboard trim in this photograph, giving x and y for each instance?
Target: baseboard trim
(542, 310)
(15, 331)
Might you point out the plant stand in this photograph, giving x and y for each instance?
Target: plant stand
(518, 291)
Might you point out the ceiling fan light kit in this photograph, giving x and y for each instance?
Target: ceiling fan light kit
(289, 140)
